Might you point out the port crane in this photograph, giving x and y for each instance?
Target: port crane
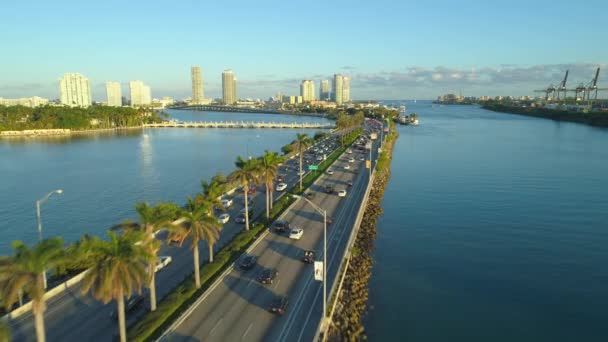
(552, 90)
(585, 91)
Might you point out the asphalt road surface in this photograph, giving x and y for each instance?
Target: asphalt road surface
(238, 308)
(70, 316)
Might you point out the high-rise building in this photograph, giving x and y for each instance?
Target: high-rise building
(197, 85)
(345, 89)
(113, 94)
(75, 90)
(337, 89)
(140, 94)
(307, 90)
(228, 87)
(234, 91)
(324, 91)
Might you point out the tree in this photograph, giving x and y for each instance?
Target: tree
(247, 173)
(269, 166)
(302, 143)
(151, 220)
(118, 270)
(23, 273)
(213, 190)
(5, 333)
(199, 224)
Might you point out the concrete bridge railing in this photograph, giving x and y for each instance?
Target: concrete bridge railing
(238, 124)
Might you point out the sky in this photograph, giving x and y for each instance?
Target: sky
(396, 49)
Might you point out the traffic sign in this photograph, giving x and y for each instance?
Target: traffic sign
(313, 167)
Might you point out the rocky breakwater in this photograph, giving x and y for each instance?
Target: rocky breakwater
(347, 322)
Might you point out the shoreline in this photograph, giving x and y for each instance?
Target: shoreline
(595, 119)
(59, 132)
(347, 322)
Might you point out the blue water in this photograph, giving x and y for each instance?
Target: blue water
(495, 228)
(103, 175)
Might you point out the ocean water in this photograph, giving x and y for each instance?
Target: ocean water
(495, 228)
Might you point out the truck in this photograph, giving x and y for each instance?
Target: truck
(373, 136)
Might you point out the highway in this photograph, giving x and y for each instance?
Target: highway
(71, 316)
(237, 308)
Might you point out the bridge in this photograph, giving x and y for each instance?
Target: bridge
(235, 109)
(239, 124)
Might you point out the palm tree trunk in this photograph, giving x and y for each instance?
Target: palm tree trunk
(152, 286)
(271, 199)
(121, 316)
(38, 309)
(245, 190)
(210, 251)
(39, 321)
(300, 170)
(197, 276)
(267, 202)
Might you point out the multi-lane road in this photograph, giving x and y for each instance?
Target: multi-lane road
(236, 309)
(71, 316)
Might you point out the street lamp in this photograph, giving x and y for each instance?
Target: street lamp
(324, 213)
(38, 204)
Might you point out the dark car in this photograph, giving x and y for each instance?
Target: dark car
(131, 305)
(310, 195)
(349, 183)
(248, 262)
(280, 178)
(279, 305)
(281, 226)
(328, 220)
(268, 276)
(251, 190)
(309, 257)
(329, 189)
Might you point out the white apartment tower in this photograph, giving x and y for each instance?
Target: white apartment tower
(324, 91)
(345, 89)
(75, 90)
(114, 94)
(197, 84)
(307, 90)
(337, 89)
(228, 87)
(140, 94)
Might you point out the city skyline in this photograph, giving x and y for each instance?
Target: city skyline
(442, 49)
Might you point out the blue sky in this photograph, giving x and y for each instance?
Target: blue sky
(391, 49)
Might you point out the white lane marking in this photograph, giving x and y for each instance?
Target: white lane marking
(215, 326)
(247, 331)
(250, 281)
(277, 284)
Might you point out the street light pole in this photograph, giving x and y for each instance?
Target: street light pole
(38, 204)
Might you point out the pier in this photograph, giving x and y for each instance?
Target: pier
(239, 124)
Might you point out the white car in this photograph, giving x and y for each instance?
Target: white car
(296, 233)
(362, 158)
(162, 263)
(351, 160)
(346, 167)
(349, 151)
(319, 158)
(330, 171)
(281, 187)
(227, 202)
(224, 218)
(342, 193)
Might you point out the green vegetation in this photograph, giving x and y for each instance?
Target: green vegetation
(17, 118)
(590, 118)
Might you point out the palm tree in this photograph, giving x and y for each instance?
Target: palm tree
(198, 223)
(118, 270)
(151, 220)
(213, 190)
(302, 143)
(247, 173)
(23, 273)
(269, 165)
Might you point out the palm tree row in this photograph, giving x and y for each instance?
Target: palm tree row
(125, 263)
